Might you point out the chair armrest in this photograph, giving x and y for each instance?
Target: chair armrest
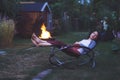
(77, 45)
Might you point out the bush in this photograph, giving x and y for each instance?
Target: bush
(6, 32)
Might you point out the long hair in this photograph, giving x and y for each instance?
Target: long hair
(98, 36)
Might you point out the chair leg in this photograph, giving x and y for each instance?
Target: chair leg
(53, 59)
(92, 63)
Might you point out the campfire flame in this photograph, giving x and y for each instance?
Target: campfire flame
(45, 34)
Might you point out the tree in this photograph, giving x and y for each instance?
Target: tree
(8, 8)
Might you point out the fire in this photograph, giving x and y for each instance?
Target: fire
(45, 34)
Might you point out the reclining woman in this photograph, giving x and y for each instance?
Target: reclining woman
(75, 49)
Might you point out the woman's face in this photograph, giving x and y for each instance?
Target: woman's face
(94, 35)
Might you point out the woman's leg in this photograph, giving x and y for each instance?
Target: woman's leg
(72, 50)
(39, 42)
(56, 43)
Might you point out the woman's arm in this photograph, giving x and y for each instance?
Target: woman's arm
(76, 44)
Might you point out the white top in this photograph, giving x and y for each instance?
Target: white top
(87, 43)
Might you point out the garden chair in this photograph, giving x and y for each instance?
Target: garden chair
(56, 59)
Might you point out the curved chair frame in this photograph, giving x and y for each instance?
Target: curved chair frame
(89, 57)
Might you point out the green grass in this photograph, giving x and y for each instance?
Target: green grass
(23, 63)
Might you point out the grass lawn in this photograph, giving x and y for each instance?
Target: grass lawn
(21, 62)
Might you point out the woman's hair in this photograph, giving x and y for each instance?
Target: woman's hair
(98, 36)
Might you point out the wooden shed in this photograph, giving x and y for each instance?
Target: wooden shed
(31, 16)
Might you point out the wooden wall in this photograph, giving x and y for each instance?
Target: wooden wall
(27, 22)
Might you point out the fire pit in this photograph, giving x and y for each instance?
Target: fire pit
(45, 35)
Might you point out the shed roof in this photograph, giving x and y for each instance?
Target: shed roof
(27, 7)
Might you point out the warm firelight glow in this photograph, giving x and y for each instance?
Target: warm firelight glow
(45, 34)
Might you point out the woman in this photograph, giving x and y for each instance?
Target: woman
(75, 49)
